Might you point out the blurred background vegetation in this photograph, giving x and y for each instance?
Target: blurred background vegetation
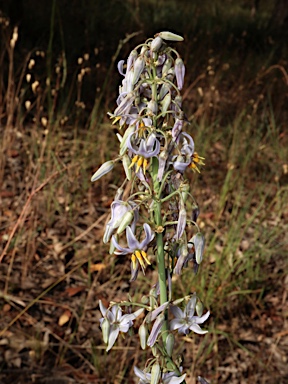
(58, 79)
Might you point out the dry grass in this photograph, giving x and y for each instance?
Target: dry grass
(54, 268)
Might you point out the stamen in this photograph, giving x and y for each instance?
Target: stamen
(140, 259)
(144, 255)
(134, 160)
(133, 259)
(139, 163)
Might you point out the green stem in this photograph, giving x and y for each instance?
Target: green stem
(159, 242)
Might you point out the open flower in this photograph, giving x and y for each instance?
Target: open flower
(143, 149)
(185, 321)
(136, 248)
(117, 322)
(167, 378)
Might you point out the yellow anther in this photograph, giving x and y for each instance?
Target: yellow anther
(145, 165)
(144, 255)
(133, 259)
(140, 259)
(139, 163)
(117, 118)
(134, 160)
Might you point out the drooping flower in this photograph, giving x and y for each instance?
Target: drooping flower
(185, 321)
(118, 209)
(167, 378)
(117, 321)
(143, 149)
(135, 248)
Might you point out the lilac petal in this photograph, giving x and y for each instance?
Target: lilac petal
(131, 316)
(181, 225)
(179, 72)
(180, 165)
(195, 328)
(117, 312)
(123, 251)
(177, 128)
(176, 324)
(133, 243)
(114, 332)
(158, 310)
(149, 236)
(103, 309)
(155, 330)
(175, 380)
(120, 67)
(190, 307)
(179, 265)
(131, 58)
(144, 377)
(177, 312)
(134, 271)
(200, 320)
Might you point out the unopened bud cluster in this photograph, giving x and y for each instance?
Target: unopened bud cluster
(159, 216)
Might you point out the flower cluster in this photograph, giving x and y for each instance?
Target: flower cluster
(154, 223)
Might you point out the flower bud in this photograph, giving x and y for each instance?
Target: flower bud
(169, 36)
(152, 107)
(143, 335)
(105, 168)
(126, 164)
(199, 243)
(179, 72)
(184, 188)
(105, 326)
(156, 44)
(119, 194)
(138, 69)
(131, 59)
(167, 65)
(170, 340)
(165, 88)
(126, 220)
(155, 373)
(199, 308)
(166, 103)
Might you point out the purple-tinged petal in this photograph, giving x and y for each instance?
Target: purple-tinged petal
(176, 324)
(175, 380)
(123, 251)
(180, 164)
(145, 378)
(176, 311)
(179, 72)
(133, 243)
(200, 320)
(114, 332)
(149, 236)
(177, 128)
(131, 59)
(103, 309)
(158, 310)
(195, 328)
(155, 330)
(120, 67)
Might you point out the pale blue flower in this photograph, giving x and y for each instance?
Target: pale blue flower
(185, 321)
(167, 378)
(146, 147)
(135, 248)
(118, 322)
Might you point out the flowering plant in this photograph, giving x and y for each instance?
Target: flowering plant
(160, 214)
